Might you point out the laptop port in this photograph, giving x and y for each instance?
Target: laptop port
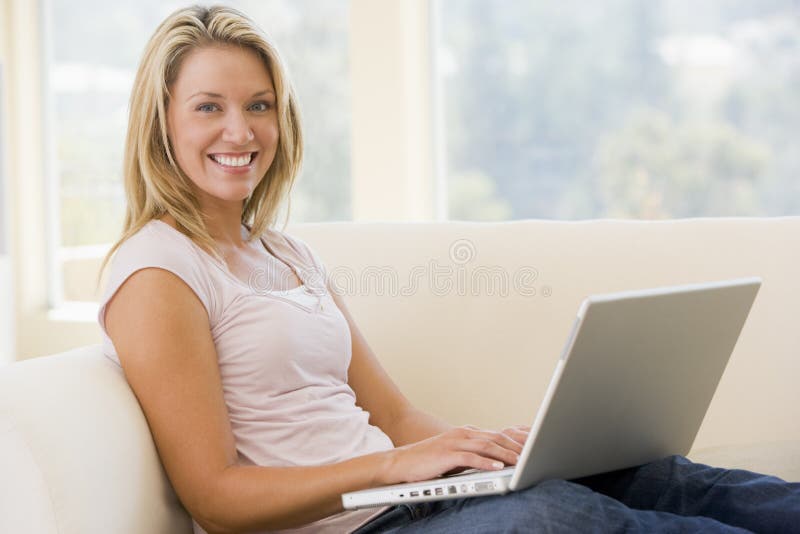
(426, 492)
(451, 490)
(439, 491)
(484, 486)
(414, 494)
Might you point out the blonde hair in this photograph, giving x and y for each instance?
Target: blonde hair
(154, 183)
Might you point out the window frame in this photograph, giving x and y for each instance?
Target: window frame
(6, 273)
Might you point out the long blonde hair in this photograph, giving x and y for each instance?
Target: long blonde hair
(154, 183)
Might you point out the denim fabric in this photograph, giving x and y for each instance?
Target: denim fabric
(669, 495)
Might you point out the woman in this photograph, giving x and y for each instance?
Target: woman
(263, 398)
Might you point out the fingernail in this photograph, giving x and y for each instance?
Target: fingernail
(497, 465)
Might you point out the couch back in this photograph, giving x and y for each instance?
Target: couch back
(468, 318)
(482, 353)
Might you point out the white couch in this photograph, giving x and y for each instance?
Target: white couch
(76, 456)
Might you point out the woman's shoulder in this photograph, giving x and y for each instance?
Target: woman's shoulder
(273, 235)
(156, 240)
(158, 245)
(294, 245)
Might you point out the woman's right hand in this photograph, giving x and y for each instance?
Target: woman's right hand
(459, 448)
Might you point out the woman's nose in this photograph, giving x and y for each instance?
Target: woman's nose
(237, 130)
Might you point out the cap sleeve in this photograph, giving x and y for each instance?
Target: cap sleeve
(151, 247)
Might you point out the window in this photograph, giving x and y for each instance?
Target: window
(620, 108)
(92, 54)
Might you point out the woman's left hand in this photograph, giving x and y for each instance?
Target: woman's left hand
(518, 433)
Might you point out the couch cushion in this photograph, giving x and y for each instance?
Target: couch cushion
(778, 458)
(76, 455)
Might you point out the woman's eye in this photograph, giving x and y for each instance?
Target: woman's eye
(261, 106)
(207, 108)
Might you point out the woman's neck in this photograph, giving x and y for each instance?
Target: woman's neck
(227, 232)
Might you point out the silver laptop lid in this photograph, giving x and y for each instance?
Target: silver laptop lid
(635, 380)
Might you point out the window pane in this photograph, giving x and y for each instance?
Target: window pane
(94, 49)
(621, 108)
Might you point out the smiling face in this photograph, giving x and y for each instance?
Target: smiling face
(222, 122)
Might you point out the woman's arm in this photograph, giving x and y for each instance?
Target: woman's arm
(161, 333)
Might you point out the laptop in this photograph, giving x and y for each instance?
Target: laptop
(633, 384)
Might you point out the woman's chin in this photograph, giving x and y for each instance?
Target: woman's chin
(226, 195)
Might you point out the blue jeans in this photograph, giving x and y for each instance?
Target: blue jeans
(669, 495)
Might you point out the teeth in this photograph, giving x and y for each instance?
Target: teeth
(228, 161)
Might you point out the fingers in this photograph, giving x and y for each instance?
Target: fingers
(501, 438)
(491, 446)
(454, 450)
(490, 452)
(517, 433)
(476, 461)
(518, 428)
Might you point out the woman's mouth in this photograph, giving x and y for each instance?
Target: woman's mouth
(241, 160)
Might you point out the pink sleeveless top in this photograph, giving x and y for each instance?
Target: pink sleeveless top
(283, 354)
